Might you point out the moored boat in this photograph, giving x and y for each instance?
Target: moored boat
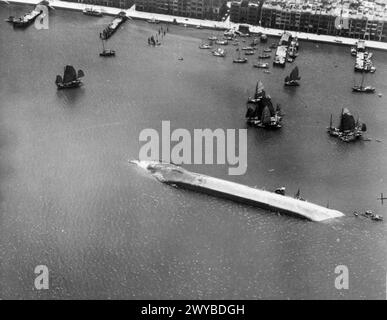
(205, 46)
(239, 59)
(263, 38)
(90, 11)
(249, 52)
(219, 52)
(153, 20)
(264, 56)
(260, 64)
(222, 42)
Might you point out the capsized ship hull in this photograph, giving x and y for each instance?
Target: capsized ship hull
(175, 175)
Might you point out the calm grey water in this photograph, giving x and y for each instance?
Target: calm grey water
(105, 229)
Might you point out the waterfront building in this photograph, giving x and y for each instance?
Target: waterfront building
(123, 4)
(199, 9)
(355, 19)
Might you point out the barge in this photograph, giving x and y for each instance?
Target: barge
(113, 26)
(26, 20)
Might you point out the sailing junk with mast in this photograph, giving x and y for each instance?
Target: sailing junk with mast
(260, 64)
(239, 59)
(349, 129)
(70, 78)
(293, 78)
(106, 52)
(360, 88)
(260, 110)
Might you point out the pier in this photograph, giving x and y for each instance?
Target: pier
(175, 175)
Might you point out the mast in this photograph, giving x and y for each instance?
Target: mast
(330, 122)
(362, 80)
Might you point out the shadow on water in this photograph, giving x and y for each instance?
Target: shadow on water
(70, 97)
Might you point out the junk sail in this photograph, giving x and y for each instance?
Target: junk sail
(347, 121)
(349, 129)
(260, 111)
(292, 79)
(70, 78)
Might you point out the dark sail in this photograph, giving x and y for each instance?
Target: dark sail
(259, 90)
(251, 111)
(267, 103)
(80, 73)
(294, 74)
(58, 79)
(347, 121)
(69, 74)
(266, 118)
(363, 127)
(287, 79)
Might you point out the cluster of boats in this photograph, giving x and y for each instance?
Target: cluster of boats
(260, 110)
(287, 50)
(363, 64)
(369, 214)
(231, 35)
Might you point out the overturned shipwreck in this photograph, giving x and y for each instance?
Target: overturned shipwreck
(175, 175)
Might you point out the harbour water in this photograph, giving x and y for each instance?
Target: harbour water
(105, 229)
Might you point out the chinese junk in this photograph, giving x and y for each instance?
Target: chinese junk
(293, 78)
(106, 52)
(349, 129)
(260, 110)
(239, 59)
(361, 88)
(70, 78)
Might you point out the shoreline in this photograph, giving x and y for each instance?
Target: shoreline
(205, 24)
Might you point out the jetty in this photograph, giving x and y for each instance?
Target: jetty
(178, 176)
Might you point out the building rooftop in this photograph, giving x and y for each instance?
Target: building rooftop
(357, 9)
